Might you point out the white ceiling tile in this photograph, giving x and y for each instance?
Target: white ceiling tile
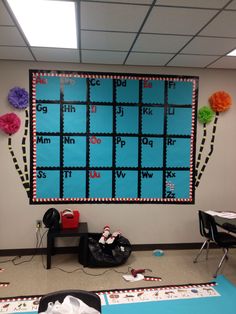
(232, 5)
(15, 53)
(224, 63)
(153, 59)
(223, 25)
(160, 43)
(126, 1)
(106, 40)
(191, 61)
(10, 36)
(109, 28)
(113, 17)
(177, 20)
(5, 18)
(103, 57)
(215, 4)
(210, 46)
(56, 54)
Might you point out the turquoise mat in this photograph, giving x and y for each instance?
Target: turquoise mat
(216, 297)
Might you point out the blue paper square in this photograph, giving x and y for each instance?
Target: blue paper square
(75, 120)
(74, 183)
(178, 152)
(101, 119)
(101, 151)
(180, 93)
(74, 89)
(101, 90)
(153, 92)
(100, 183)
(127, 91)
(126, 184)
(179, 121)
(178, 184)
(46, 179)
(152, 120)
(151, 184)
(126, 151)
(74, 151)
(152, 152)
(48, 89)
(48, 151)
(127, 119)
(47, 117)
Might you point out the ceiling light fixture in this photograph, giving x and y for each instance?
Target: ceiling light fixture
(46, 23)
(232, 53)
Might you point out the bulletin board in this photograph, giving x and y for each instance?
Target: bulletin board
(112, 137)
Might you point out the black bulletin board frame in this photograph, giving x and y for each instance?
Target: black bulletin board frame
(113, 76)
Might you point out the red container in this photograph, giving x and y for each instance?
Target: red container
(69, 219)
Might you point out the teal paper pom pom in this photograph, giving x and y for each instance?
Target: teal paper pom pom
(205, 114)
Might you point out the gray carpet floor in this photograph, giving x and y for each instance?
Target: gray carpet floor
(175, 267)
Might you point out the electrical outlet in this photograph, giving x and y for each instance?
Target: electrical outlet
(38, 223)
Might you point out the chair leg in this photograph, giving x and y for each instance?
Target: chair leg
(224, 257)
(208, 244)
(199, 253)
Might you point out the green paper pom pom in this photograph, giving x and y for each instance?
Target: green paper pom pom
(205, 114)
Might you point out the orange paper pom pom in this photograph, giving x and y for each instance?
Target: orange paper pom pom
(220, 101)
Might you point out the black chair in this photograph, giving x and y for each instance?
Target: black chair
(90, 298)
(205, 232)
(208, 229)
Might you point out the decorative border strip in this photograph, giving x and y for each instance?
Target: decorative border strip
(114, 297)
(4, 284)
(38, 74)
(162, 293)
(19, 304)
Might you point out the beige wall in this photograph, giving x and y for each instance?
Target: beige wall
(142, 224)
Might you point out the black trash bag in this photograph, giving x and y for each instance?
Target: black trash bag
(107, 255)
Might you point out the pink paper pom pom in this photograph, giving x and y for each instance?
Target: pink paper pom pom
(9, 123)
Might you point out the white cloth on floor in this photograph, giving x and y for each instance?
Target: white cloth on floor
(70, 305)
(131, 278)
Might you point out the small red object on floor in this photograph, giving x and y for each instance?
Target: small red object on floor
(134, 272)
